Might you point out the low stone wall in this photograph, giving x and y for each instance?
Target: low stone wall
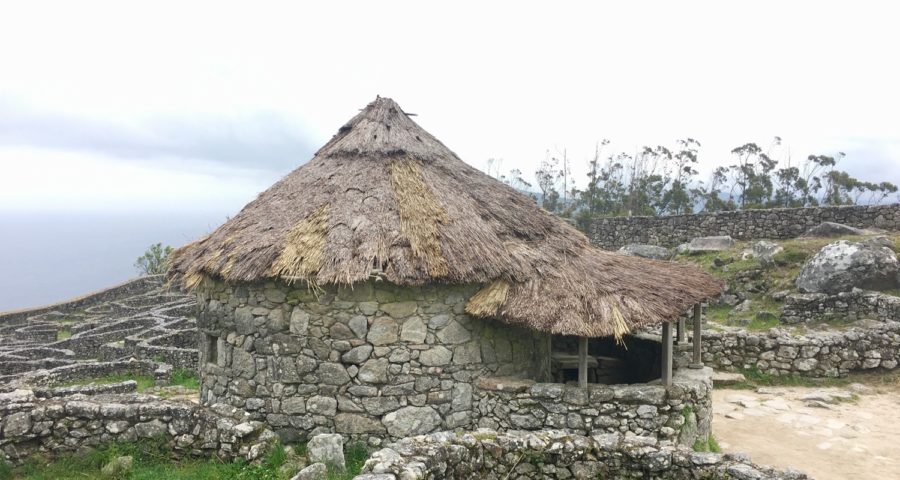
(59, 425)
(486, 454)
(830, 353)
(778, 223)
(119, 291)
(844, 306)
(681, 413)
(86, 371)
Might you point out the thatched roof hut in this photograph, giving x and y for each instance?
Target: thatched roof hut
(385, 198)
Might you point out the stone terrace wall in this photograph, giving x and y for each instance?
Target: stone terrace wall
(681, 413)
(375, 361)
(86, 371)
(122, 290)
(777, 223)
(486, 454)
(844, 306)
(815, 354)
(67, 424)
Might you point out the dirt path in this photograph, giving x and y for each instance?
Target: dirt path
(822, 432)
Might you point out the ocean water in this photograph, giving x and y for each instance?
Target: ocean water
(48, 257)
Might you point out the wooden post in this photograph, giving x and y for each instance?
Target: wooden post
(697, 337)
(679, 331)
(582, 361)
(666, 370)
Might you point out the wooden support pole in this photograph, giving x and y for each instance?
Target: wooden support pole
(582, 361)
(666, 370)
(697, 337)
(679, 331)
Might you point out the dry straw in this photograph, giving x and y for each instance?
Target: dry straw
(385, 196)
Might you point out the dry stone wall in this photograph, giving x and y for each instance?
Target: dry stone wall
(843, 306)
(831, 353)
(69, 423)
(681, 413)
(486, 454)
(779, 223)
(373, 361)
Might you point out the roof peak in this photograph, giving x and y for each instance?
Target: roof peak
(383, 129)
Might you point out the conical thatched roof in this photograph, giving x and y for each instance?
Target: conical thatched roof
(385, 197)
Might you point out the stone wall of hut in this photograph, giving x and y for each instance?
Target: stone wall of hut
(372, 362)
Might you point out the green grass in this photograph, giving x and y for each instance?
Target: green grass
(186, 378)
(63, 334)
(153, 461)
(710, 444)
(355, 456)
(895, 292)
(143, 381)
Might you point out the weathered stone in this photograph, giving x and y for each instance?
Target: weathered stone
(436, 356)
(710, 244)
(383, 331)
(374, 371)
(359, 325)
(438, 321)
(242, 363)
(327, 449)
(842, 266)
(17, 424)
(293, 405)
(151, 429)
(453, 333)
(413, 330)
(299, 322)
(316, 471)
(409, 421)
(467, 353)
(332, 374)
(320, 405)
(398, 310)
(461, 397)
(357, 355)
(352, 424)
(380, 405)
(339, 331)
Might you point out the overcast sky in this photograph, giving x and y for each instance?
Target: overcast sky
(192, 106)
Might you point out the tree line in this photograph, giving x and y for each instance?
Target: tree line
(664, 180)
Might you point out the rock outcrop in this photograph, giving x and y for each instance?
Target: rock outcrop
(842, 266)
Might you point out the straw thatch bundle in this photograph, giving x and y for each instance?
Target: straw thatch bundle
(386, 198)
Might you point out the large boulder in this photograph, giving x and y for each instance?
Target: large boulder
(646, 251)
(710, 244)
(842, 266)
(831, 229)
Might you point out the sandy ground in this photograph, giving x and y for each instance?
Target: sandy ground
(799, 428)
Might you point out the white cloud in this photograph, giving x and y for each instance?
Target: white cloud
(501, 79)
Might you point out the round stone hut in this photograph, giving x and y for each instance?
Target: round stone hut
(370, 290)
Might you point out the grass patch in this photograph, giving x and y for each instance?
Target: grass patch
(63, 334)
(895, 292)
(186, 378)
(710, 444)
(143, 381)
(154, 461)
